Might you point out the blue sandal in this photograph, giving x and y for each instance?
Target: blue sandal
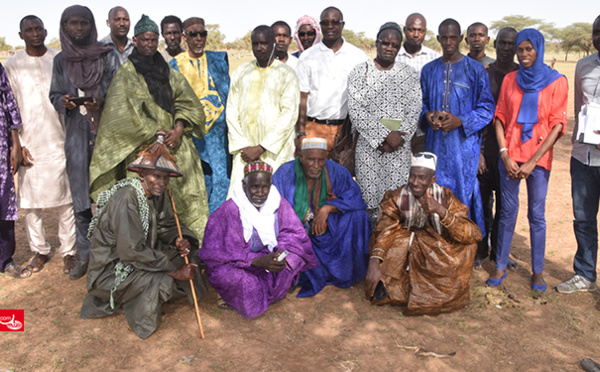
(538, 287)
(495, 282)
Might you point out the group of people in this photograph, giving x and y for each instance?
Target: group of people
(260, 204)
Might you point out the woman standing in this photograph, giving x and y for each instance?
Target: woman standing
(530, 117)
(383, 89)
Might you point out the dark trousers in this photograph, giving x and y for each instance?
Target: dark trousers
(7, 243)
(82, 223)
(585, 190)
(489, 186)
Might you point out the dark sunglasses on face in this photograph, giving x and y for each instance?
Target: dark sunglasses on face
(309, 33)
(196, 33)
(387, 44)
(330, 23)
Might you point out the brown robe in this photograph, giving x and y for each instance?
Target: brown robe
(439, 265)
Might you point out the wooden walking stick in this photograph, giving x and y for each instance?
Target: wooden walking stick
(187, 262)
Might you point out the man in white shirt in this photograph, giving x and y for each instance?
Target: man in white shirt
(283, 39)
(323, 78)
(416, 55)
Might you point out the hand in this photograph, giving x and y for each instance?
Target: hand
(319, 224)
(385, 147)
(269, 262)
(525, 170)
(511, 166)
(173, 137)
(482, 165)
(185, 272)
(68, 104)
(451, 122)
(183, 246)
(16, 158)
(433, 124)
(430, 205)
(94, 105)
(252, 153)
(27, 158)
(396, 139)
(373, 277)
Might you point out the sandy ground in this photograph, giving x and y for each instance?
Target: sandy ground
(337, 330)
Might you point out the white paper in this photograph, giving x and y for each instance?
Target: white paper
(589, 120)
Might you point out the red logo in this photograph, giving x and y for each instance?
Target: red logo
(12, 320)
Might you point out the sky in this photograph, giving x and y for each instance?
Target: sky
(237, 17)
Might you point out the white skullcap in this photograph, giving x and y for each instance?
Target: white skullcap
(424, 159)
(314, 143)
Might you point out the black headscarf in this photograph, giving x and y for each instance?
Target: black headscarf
(156, 75)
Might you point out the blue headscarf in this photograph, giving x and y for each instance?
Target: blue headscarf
(532, 80)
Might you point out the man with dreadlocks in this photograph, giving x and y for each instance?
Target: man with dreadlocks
(136, 259)
(146, 96)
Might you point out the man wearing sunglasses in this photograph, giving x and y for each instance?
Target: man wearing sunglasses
(423, 247)
(323, 78)
(208, 75)
(308, 33)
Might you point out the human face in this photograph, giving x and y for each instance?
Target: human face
(146, 43)
(313, 161)
(596, 35)
(262, 47)
(449, 39)
(154, 181)
(419, 180)
(477, 39)
(526, 54)
(505, 46)
(331, 26)
(415, 31)
(282, 39)
(388, 46)
(78, 28)
(307, 35)
(33, 33)
(257, 186)
(195, 37)
(172, 34)
(119, 23)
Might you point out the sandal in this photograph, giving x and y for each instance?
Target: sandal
(17, 271)
(69, 263)
(37, 263)
(221, 304)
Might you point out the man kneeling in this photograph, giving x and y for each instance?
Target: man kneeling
(244, 239)
(423, 247)
(136, 257)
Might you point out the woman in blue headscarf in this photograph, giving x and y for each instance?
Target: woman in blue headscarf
(530, 117)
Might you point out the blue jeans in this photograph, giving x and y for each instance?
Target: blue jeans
(537, 189)
(585, 190)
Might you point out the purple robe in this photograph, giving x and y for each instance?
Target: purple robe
(228, 258)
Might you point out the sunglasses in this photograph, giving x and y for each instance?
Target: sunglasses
(309, 33)
(330, 23)
(388, 44)
(196, 33)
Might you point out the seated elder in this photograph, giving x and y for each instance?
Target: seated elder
(244, 239)
(136, 259)
(423, 247)
(330, 205)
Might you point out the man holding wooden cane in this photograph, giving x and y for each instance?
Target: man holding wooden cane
(137, 255)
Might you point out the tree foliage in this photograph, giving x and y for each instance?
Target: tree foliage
(243, 43)
(215, 39)
(519, 22)
(358, 39)
(431, 41)
(54, 43)
(576, 38)
(3, 45)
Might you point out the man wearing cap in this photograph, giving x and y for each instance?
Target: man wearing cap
(146, 96)
(207, 73)
(330, 205)
(262, 108)
(422, 250)
(81, 74)
(136, 260)
(243, 242)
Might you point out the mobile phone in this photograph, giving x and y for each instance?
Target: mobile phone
(80, 100)
(438, 117)
(281, 257)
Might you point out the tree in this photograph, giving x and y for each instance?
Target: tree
(576, 37)
(431, 41)
(519, 22)
(3, 45)
(358, 39)
(215, 38)
(54, 43)
(244, 43)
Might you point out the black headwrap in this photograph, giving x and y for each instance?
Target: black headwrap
(156, 74)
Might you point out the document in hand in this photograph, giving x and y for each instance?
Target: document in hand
(588, 130)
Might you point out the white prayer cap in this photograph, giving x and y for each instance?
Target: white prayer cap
(424, 159)
(314, 143)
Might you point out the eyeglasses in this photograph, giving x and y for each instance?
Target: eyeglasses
(309, 33)
(388, 44)
(196, 33)
(334, 23)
